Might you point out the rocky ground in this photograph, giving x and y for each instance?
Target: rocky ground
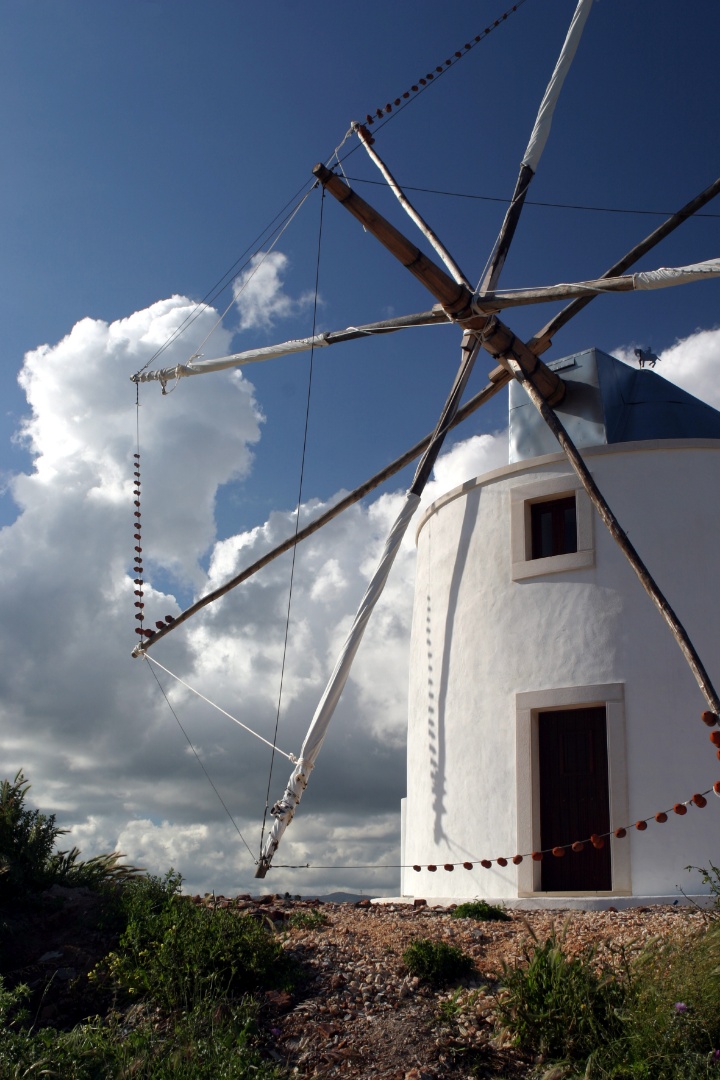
(363, 1015)
(358, 1012)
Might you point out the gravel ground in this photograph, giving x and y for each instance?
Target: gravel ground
(361, 1015)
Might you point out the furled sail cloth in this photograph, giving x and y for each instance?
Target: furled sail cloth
(284, 810)
(676, 275)
(543, 123)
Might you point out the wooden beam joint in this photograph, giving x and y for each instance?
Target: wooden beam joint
(499, 340)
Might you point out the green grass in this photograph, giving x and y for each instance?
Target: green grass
(655, 1018)
(209, 1043)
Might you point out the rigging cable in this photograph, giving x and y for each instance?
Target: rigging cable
(528, 202)
(399, 104)
(290, 757)
(386, 113)
(222, 283)
(199, 761)
(297, 520)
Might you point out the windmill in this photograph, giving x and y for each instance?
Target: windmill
(476, 313)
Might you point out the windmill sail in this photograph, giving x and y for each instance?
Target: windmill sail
(533, 153)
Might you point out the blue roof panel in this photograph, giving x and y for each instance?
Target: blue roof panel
(607, 401)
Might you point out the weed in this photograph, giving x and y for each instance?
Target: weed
(710, 875)
(309, 920)
(437, 962)
(480, 910)
(655, 1019)
(561, 1007)
(209, 1043)
(672, 1021)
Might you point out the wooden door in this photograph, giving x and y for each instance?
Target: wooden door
(574, 798)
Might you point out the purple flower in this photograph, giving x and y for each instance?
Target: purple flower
(715, 1056)
(680, 1007)
(276, 1032)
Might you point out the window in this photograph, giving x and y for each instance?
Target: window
(553, 527)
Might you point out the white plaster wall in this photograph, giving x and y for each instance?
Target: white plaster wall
(479, 639)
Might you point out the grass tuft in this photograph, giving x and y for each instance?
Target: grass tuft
(437, 962)
(480, 910)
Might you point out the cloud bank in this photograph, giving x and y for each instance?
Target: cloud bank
(105, 739)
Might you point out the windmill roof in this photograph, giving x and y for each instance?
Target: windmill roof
(606, 401)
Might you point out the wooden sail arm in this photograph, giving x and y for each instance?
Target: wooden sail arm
(535, 147)
(653, 279)
(367, 140)
(500, 342)
(455, 297)
(287, 348)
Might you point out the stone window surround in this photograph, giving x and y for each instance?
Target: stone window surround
(521, 499)
(528, 706)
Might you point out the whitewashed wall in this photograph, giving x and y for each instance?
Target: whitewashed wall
(480, 639)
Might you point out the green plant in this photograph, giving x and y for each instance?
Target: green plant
(562, 1007)
(27, 860)
(457, 1005)
(216, 1041)
(308, 920)
(672, 1021)
(710, 875)
(177, 954)
(437, 962)
(480, 910)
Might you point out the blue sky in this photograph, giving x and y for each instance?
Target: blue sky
(147, 145)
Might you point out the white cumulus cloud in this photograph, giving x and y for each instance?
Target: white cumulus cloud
(259, 293)
(100, 743)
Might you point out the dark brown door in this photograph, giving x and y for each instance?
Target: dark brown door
(574, 798)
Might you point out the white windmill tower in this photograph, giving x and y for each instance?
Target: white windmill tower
(469, 764)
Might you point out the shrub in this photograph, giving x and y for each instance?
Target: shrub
(480, 910)
(27, 860)
(437, 962)
(177, 954)
(209, 1043)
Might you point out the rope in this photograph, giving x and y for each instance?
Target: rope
(411, 94)
(197, 758)
(146, 656)
(138, 569)
(596, 840)
(222, 283)
(297, 522)
(399, 104)
(253, 272)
